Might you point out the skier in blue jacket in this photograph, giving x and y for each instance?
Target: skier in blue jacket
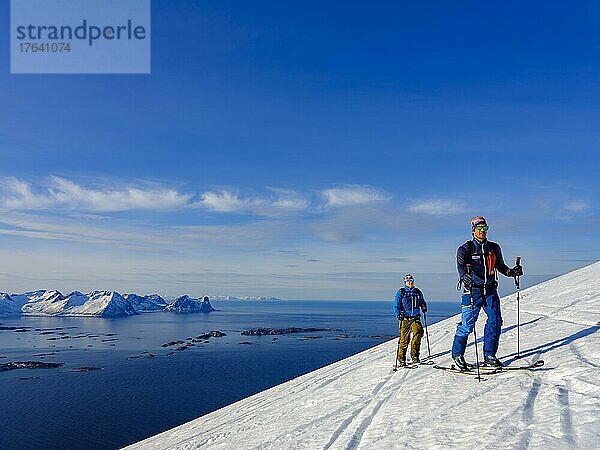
(480, 287)
(408, 304)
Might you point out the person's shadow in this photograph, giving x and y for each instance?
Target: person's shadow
(544, 348)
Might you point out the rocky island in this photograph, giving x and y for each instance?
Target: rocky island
(13, 365)
(279, 331)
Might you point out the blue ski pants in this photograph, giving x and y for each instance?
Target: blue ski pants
(493, 325)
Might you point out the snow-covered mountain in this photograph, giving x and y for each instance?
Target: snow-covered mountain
(42, 302)
(96, 303)
(146, 303)
(360, 403)
(8, 307)
(104, 304)
(20, 300)
(101, 303)
(74, 300)
(185, 304)
(53, 303)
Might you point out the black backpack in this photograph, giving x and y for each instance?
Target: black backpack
(404, 291)
(471, 248)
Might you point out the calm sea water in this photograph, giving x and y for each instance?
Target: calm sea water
(135, 396)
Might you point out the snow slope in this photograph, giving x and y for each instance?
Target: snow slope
(104, 304)
(43, 302)
(360, 403)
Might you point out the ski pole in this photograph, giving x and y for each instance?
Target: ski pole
(427, 334)
(518, 285)
(474, 324)
(398, 348)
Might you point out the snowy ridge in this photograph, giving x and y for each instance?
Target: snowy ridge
(147, 303)
(185, 304)
(359, 403)
(42, 302)
(94, 304)
(106, 304)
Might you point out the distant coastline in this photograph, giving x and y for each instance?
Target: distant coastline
(228, 297)
(104, 304)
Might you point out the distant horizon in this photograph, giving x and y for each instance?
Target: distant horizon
(504, 290)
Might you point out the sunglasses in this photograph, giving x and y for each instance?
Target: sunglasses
(482, 227)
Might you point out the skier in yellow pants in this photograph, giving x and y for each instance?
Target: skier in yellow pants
(408, 304)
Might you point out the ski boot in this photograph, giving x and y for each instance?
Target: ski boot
(492, 361)
(415, 359)
(460, 362)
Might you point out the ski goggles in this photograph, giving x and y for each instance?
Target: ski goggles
(409, 280)
(481, 227)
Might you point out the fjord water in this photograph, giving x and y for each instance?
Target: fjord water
(136, 395)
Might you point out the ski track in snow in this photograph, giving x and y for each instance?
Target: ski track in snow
(359, 403)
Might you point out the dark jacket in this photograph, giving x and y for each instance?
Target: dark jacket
(485, 261)
(410, 303)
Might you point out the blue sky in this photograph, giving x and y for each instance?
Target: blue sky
(307, 150)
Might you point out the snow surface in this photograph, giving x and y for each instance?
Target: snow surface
(361, 403)
(42, 302)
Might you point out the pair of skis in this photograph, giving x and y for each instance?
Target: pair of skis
(487, 370)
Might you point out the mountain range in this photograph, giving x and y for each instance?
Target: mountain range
(95, 304)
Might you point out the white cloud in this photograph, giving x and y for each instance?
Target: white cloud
(67, 195)
(143, 236)
(291, 203)
(577, 206)
(68, 228)
(74, 196)
(59, 194)
(352, 195)
(225, 201)
(437, 207)
(17, 194)
(288, 199)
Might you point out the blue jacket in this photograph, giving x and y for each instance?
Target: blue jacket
(410, 303)
(486, 260)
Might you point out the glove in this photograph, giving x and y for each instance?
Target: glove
(467, 281)
(401, 316)
(424, 307)
(516, 271)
